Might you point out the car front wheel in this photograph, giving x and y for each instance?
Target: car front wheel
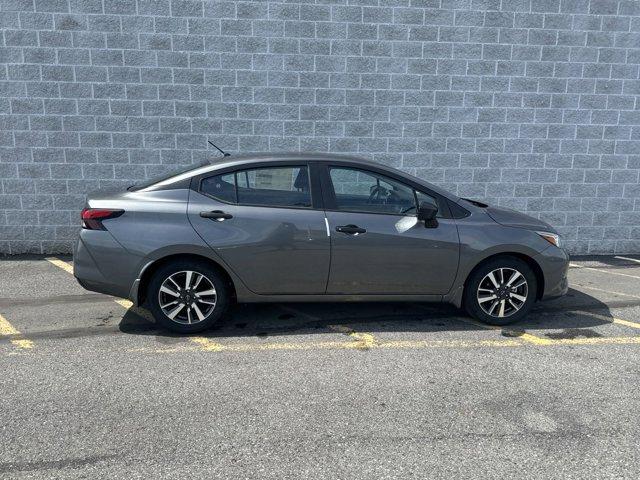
(187, 296)
(501, 291)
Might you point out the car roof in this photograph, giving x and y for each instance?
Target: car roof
(231, 161)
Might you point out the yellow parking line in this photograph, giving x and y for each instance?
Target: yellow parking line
(396, 344)
(60, 264)
(626, 323)
(604, 271)
(6, 329)
(605, 291)
(527, 337)
(618, 321)
(364, 340)
(636, 260)
(207, 345)
(598, 341)
(332, 345)
(124, 302)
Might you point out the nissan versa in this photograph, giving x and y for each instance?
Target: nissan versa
(311, 227)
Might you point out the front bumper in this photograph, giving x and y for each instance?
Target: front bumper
(554, 263)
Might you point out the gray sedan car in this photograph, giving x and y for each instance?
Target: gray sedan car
(311, 227)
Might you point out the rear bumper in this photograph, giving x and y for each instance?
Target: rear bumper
(554, 263)
(101, 265)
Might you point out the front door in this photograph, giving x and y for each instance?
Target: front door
(262, 223)
(378, 246)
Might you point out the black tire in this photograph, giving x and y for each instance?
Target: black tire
(211, 274)
(472, 304)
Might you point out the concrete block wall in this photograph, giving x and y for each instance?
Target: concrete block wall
(532, 104)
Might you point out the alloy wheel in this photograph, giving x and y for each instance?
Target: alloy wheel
(187, 297)
(502, 292)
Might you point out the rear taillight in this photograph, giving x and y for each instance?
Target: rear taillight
(92, 217)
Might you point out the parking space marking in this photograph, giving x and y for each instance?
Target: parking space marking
(627, 258)
(60, 264)
(598, 341)
(616, 320)
(333, 345)
(626, 323)
(393, 344)
(604, 271)
(6, 329)
(364, 340)
(605, 291)
(207, 344)
(522, 335)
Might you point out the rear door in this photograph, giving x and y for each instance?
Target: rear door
(378, 246)
(265, 223)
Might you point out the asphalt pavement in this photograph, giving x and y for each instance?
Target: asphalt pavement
(90, 388)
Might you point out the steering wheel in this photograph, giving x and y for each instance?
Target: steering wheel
(375, 192)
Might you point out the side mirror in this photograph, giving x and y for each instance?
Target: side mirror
(427, 212)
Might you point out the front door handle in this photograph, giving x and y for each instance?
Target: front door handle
(216, 215)
(350, 229)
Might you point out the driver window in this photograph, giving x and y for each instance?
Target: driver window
(361, 191)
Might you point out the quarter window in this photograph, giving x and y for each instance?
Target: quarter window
(220, 187)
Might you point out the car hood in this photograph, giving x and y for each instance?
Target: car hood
(513, 218)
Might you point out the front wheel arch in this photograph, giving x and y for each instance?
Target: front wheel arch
(149, 272)
(525, 258)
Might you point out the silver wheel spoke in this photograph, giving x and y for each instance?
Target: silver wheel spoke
(486, 299)
(501, 311)
(519, 297)
(168, 304)
(198, 280)
(189, 315)
(493, 306)
(524, 282)
(206, 293)
(515, 275)
(174, 282)
(516, 307)
(169, 291)
(187, 280)
(175, 311)
(198, 312)
(207, 302)
(493, 280)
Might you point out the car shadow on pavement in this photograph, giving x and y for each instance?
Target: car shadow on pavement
(574, 315)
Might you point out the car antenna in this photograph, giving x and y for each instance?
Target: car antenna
(224, 154)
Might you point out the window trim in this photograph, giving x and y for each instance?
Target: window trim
(331, 204)
(265, 166)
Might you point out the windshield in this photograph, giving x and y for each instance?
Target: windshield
(165, 176)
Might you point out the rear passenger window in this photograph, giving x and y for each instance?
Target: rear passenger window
(220, 187)
(271, 186)
(274, 186)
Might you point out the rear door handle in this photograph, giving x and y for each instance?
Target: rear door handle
(350, 229)
(216, 215)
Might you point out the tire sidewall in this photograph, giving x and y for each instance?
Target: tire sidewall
(471, 304)
(222, 297)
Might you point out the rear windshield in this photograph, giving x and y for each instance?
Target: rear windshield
(166, 176)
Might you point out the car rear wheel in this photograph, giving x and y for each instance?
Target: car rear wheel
(187, 296)
(501, 291)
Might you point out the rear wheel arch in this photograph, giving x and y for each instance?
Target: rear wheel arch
(520, 256)
(150, 270)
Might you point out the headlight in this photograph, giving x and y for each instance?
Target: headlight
(552, 238)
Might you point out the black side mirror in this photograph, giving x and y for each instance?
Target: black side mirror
(427, 212)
